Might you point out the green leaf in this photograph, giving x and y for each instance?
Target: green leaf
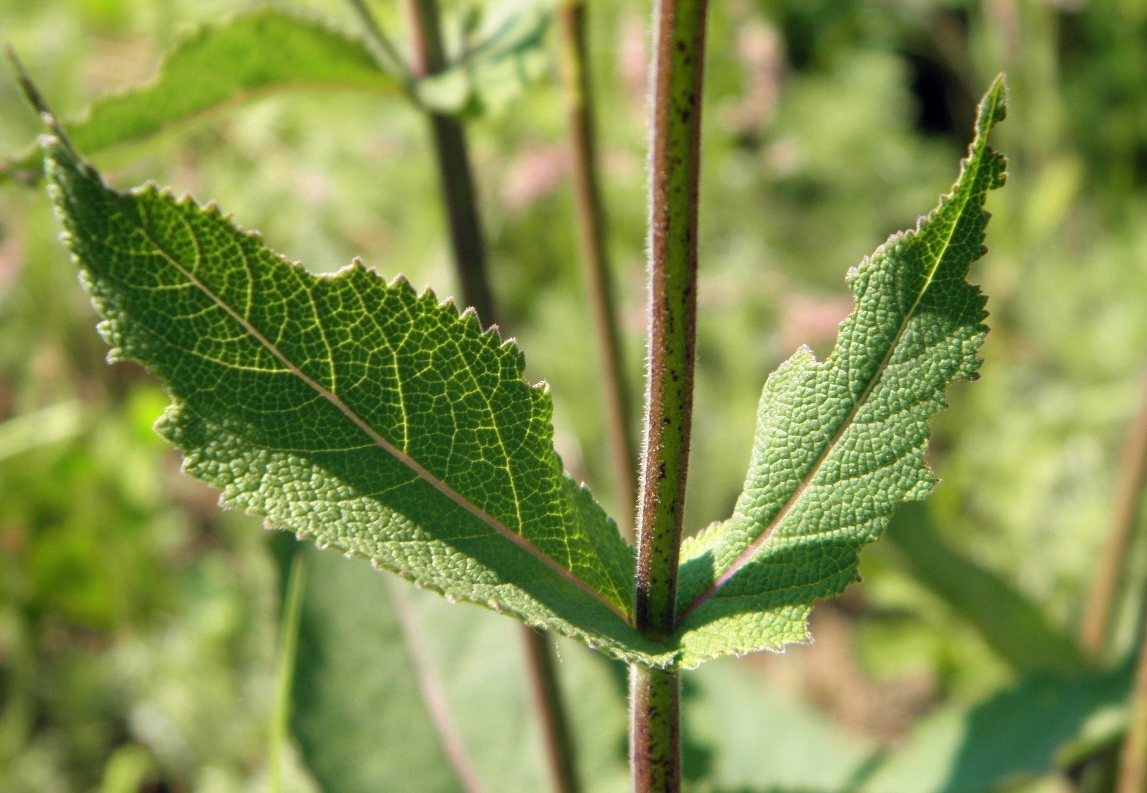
(351, 411)
(1015, 735)
(397, 690)
(359, 711)
(761, 738)
(220, 65)
(39, 428)
(840, 443)
(1013, 626)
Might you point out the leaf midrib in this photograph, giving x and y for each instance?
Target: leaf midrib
(374, 436)
(846, 422)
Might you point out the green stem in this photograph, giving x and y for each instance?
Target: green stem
(1096, 625)
(654, 729)
(285, 677)
(428, 56)
(674, 163)
(1133, 762)
(599, 279)
(674, 168)
(550, 706)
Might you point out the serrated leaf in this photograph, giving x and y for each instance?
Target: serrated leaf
(351, 411)
(840, 443)
(220, 65)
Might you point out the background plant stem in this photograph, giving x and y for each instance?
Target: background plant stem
(674, 167)
(1096, 625)
(428, 57)
(1133, 761)
(550, 705)
(455, 176)
(598, 275)
(381, 41)
(285, 677)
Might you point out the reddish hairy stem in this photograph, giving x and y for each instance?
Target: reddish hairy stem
(674, 167)
(674, 164)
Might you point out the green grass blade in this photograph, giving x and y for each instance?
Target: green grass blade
(39, 428)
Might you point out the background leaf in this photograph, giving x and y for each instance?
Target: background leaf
(1010, 623)
(384, 670)
(762, 738)
(250, 56)
(359, 711)
(1013, 736)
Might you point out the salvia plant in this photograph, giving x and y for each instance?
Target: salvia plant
(384, 422)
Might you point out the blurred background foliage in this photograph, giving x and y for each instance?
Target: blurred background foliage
(139, 624)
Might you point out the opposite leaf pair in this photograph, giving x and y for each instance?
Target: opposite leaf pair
(386, 424)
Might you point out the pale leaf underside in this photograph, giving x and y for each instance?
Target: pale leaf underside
(840, 444)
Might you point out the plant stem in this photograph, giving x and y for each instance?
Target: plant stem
(674, 161)
(1096, 625)
(599, 278)
(674, 167)
(285, 677)
(386, 49)
(1133, 763)
(551, 707)
(428, 56)
(654, 729)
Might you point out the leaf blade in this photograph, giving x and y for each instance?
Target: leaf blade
(840, 443)
(351, 411)
(359, 712)
(1012, 625)
(251, 55)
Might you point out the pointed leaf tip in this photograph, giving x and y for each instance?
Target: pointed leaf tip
(993, 107)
